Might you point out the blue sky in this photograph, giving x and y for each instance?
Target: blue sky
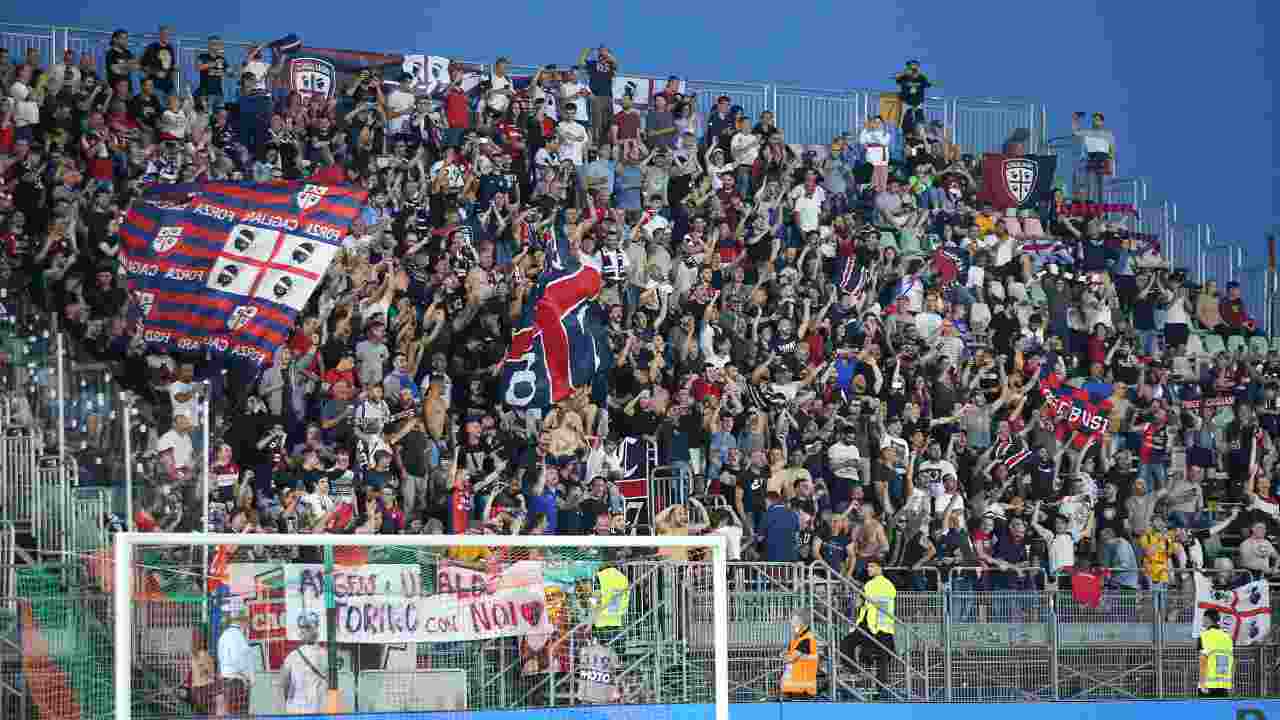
(1188, 87)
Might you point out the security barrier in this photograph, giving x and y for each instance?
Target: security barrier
(19, 500)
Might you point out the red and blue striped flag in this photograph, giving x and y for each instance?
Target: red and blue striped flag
(562, 342)
(228, 266)
(1085, 409)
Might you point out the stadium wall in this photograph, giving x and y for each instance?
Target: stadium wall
(1170, 710)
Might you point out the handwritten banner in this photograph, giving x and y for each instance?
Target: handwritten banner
(386, 604)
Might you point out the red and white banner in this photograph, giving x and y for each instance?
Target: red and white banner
(1245, 612)
(387, 603)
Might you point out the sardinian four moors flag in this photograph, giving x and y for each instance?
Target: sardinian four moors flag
(228, 266)
(1085, 409)
(561, 341)
(1017, 181)
(1245, 612)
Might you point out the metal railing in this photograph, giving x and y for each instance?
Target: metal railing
(1033, 644)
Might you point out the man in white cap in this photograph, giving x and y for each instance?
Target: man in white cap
(235, 658)
(305, 671)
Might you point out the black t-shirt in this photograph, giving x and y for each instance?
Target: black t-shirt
(911, 89)
(115, 56)
(413, 452)
(755, 484)
(804, 544)
(212, 76)
(160, 63)
(1124, 366)
(601, 74)
(146, 109)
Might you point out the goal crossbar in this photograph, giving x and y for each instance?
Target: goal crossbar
(125, 543)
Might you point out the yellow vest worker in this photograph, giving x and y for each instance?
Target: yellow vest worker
(615, 597)
(871, 641)
(1217, 658)
(800, 677)
(877, 611)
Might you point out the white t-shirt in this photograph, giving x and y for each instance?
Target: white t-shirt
(573, 140)
(733, 538)
(181, 446)
(551, 102)
(876, 145)
(745, 147)
(187, 408)
(306, 686)
(808, 206)
(571, 91)
(259, 71)
(399, 101)
(845, 461)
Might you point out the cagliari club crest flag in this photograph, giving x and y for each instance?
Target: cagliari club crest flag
(1017, 181)
(1245, 612)
(228, 266)
(561, 342)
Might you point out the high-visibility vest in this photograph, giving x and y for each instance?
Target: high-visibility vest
(877, 611)
(801, 675)
(615, 597)
(1217, 647)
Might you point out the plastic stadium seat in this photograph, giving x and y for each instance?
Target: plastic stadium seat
(1195, 346)
(888, 239)
(1258, 344)
(1235, 344)
(1213, 344)
(909, 243)
(1032, 229)
(1014, 227)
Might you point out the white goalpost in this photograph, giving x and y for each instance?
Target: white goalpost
(354, 624)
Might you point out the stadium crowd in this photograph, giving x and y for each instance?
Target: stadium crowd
(843, 354)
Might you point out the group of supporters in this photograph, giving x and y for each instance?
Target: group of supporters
(846, 356)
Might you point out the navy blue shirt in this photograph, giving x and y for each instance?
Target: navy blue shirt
(601, 76)
(780, 527)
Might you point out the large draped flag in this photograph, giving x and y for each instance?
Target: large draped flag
(1017, 181)
(1245, 612)
(228, 266)
(562, 341)
(1085, 409)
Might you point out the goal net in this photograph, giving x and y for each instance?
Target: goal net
(265, 624)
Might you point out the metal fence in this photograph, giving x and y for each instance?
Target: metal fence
(1037, 644)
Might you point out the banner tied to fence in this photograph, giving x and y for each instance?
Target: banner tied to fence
(1245, 612)
(394, 603)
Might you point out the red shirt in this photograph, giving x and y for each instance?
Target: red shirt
(628, 124)
(457, 109)
(1097, 350)
(512, 138)
(460, 511)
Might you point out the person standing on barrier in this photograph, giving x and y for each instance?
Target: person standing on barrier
(235, 659)
(1217, 657)
(800, 673)
(874, 630)
(305, 672)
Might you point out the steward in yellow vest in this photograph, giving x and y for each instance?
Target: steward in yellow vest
(613, 600)
(1217, 657)
(874, 630)
(800, 676)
